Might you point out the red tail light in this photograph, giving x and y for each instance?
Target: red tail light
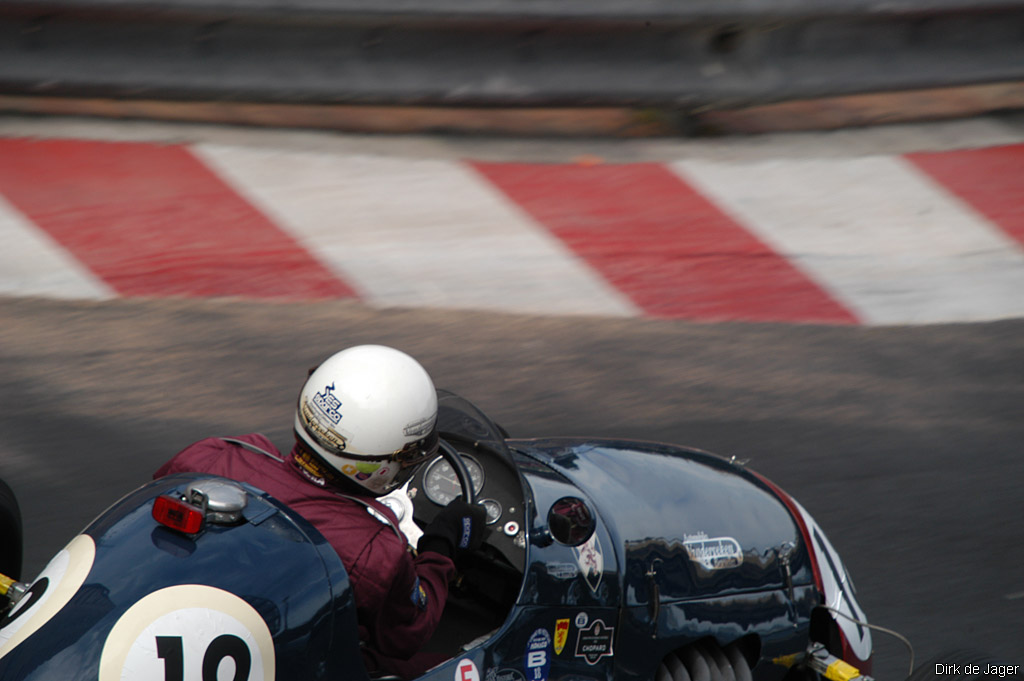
(178, 515)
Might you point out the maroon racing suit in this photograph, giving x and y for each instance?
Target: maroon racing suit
(399, 598)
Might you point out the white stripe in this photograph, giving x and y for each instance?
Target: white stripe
(877, 234)
(32, 264)
(416, 232)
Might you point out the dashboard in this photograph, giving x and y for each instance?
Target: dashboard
(497, 488)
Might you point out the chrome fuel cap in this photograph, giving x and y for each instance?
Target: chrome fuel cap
(223, 500)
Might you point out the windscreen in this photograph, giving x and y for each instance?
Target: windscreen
(458, 418)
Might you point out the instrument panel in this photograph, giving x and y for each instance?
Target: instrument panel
(440, 483)
(497, 489)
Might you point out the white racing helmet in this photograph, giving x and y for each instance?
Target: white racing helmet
(369, 413)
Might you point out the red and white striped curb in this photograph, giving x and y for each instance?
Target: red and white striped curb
(880, 239)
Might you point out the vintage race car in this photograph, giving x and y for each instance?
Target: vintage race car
(604, 559)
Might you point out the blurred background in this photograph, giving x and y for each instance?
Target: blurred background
(789, 232)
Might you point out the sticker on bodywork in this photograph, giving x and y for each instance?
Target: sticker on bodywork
(591, 561)
(466, 670)
(186, 632)
(538, 656)
(504, 675)
(562, 570)
(561, 635)
(713, 553)
(595, 642)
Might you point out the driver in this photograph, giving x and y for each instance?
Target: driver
(366, 420)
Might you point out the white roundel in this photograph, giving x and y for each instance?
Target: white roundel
(49, 593)
(189, 633)
(466, 671)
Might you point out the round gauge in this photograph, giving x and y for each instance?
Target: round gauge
(493, 509)
(440, 483)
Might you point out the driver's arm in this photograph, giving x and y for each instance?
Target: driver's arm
(419, 587)
(415, 603)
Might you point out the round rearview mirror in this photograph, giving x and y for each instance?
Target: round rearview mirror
(570, 521)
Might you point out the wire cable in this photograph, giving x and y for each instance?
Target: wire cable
(884, 630)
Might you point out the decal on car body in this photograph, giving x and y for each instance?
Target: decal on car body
(188, 631)
(595, 642)
(562, 570)
(466, 671)
(713, 553)
(561, 635)
(61, 579)
(538, 656)
(591, 561)
(504, 675)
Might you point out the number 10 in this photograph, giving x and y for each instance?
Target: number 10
(171, 650)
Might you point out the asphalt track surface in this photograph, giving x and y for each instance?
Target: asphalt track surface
(904, 443)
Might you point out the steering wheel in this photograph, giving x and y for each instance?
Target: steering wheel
(449, 454)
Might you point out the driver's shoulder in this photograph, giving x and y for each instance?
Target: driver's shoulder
(252, 442)
(224, 456)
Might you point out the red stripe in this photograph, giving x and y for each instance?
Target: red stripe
(154, 220)
(990, 180)
(664, 245)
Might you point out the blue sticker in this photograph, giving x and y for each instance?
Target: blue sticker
(538, 656)
(419, 595)
(328, 403)
(467, 532)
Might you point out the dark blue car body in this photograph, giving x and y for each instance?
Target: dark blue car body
(692, 560)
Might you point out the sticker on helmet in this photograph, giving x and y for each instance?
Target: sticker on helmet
(326, 436)
(189, 631)
(49, 593)
(327, 403)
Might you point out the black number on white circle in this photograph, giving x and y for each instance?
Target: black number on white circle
(171, 650)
